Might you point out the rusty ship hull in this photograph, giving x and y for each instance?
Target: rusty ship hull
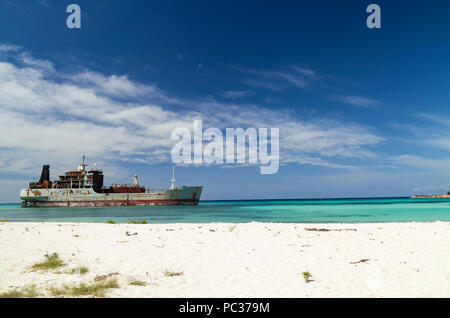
(89, 198)
(84, 188)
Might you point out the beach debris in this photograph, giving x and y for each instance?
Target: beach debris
(159, 246)
(137, 283)
(137, 222)
(130, 234)
(363, 260)
(232, 228)
(328, 230)
(168, 273)
(307, 276)
(104, 277)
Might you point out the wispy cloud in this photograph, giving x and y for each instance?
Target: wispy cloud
(234, 94)
(112, 117)
(44, 3)
(9, 48)
(440, 119)
(354, 100)
(29, 60)
(437, 164)
(276, 80)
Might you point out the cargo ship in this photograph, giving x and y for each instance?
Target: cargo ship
(83, 187)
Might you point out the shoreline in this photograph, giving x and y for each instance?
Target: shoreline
(399, 259)
(431, 196)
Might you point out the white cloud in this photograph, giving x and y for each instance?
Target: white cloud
(234, 94)
(440, 119)
(9, 48)
(57, 117)
(276, 80)
(43, 65)
(354, 100)
(439, 164)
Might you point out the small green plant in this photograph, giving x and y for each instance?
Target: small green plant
(27, 229)
(96, 289)
(137, 283)
(52, 261)
(110, 222)
(168, 273)
(307, 276)
(24, 292)
(57, 292)
(4, 221)
(80, 270)
(137, 222)
(12, 294)
(232, 228)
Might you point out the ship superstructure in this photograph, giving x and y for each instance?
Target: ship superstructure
(84, 187)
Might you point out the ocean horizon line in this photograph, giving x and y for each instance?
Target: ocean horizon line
(284, 199)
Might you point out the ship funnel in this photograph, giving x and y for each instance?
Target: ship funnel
(135, 183)
(45, 175)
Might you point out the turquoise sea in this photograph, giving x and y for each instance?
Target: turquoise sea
(298, 211)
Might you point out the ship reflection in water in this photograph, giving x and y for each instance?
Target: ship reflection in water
(84, 188)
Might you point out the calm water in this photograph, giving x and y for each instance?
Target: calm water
(301, 211)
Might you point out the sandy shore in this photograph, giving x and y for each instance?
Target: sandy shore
(227, 260)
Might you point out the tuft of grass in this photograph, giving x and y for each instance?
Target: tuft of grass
(110, 222)
(4, 221)
(58, 292)
(231, 228)
(80, 270)
(24, 292)
(137, 222)
(27, 229)
(53, 261)
(96, 289)
(307, 276)
(168, 273)
(137, 283)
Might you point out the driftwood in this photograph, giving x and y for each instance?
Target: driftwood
(363, 260)
(104, 277)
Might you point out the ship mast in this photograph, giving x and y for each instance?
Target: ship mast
(82, 167)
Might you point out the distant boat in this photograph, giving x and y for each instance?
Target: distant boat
(84, 188)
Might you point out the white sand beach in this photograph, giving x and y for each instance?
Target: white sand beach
(233, 260)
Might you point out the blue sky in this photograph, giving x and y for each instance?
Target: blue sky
(362, 112)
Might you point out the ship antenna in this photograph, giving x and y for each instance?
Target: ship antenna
(173, 178)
